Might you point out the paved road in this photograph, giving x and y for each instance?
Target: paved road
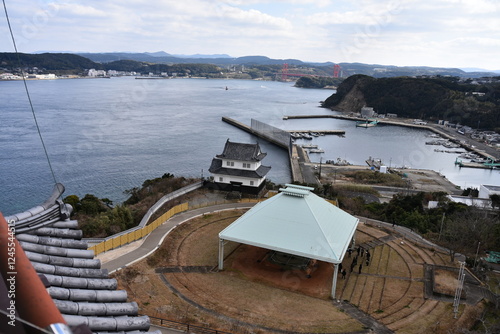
(479, 145)
(154, 240)
(308, 171)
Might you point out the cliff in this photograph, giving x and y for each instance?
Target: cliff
(442, 98)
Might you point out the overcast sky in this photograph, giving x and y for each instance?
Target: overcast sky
(440, 33)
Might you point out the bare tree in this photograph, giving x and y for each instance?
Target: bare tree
(463, 231)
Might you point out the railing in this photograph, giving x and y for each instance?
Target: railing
(121, 239)
(184, 326)
(167, 198)
(136, 233)
(131, 235)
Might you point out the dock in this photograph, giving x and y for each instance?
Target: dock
(322, 132)
(484, 165)
(298, 156)
(436, 129)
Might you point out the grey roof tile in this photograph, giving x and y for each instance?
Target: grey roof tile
(81, 290)
(242, 152)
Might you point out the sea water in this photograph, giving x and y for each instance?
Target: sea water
(104, 136)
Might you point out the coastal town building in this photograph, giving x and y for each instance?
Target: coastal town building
(367, 112)
(239, 168)
(485, 191)
(482, 201)
(96, 73)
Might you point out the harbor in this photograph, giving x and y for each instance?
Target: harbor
(303, 170)
(114, 150)
(443, 136)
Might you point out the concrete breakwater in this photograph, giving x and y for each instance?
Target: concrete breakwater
(297, 154)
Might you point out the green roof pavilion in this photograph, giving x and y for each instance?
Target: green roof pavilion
(298, 222)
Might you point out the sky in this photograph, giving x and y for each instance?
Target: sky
(436, 33)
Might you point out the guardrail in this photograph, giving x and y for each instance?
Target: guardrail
(136, 233)
(131, 235)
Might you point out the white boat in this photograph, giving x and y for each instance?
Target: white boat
(309, 146)
(316, 150)
(306, 136)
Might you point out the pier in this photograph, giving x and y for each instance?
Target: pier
(298, 156)
(484, 165)
(301, 167)
(321, 132)
(441, 131)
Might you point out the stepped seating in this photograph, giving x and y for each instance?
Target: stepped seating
(398, 264)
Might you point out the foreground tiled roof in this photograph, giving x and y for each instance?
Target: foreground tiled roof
(81, 290)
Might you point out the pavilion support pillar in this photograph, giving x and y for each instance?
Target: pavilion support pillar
(221, 254)
(334, 283)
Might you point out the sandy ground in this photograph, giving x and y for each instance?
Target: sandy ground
(419, 179)
(429, 181)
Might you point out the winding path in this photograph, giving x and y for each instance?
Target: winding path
(126, 256)
(153, 241)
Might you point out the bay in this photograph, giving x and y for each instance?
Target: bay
(104, 136)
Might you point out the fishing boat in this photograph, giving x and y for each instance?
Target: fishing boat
(368, 123)
(309, 146)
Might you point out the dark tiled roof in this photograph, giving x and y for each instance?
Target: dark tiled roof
(217, 168)
(81, 290)
(242, 152)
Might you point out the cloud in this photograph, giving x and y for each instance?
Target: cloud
(409, 32)
(77, 10)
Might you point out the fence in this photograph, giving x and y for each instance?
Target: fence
(138, 233)
(184, 326)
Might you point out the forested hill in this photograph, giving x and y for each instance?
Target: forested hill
(54, 62)
(442, 98)
(67, 63)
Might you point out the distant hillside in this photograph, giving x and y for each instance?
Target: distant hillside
(388, 71)
(348, 69)
(206, 70)
(114, 56)
(423, 98)
(62, 62)
(162, 57)
(48, 62)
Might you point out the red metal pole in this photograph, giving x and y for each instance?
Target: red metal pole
(27, 293)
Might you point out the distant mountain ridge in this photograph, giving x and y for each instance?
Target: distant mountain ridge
(114, 60)
(374, 70)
